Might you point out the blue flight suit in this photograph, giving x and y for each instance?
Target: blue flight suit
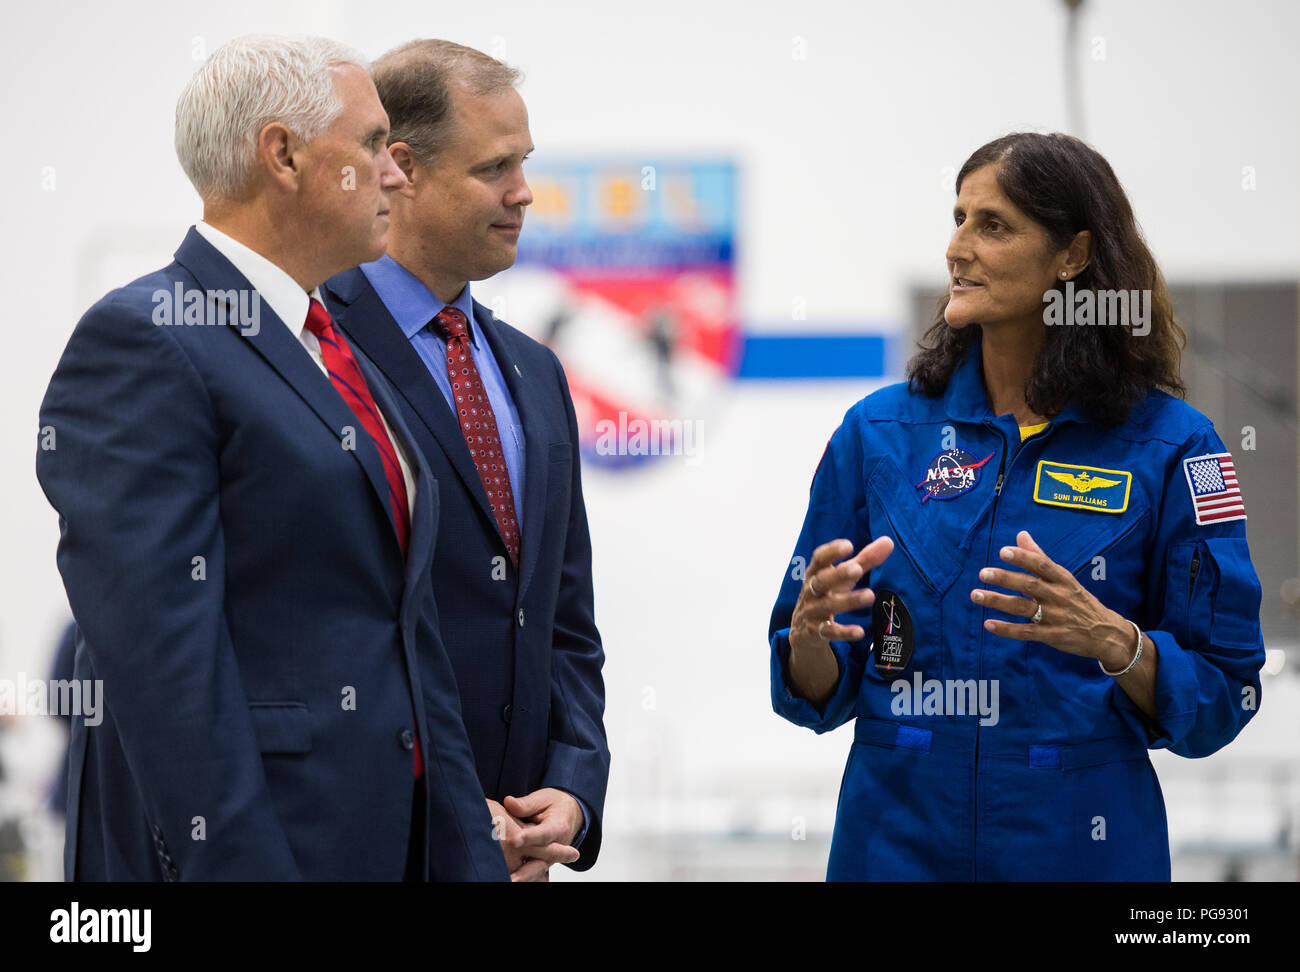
(1056, 783)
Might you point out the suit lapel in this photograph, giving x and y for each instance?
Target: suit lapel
(281, 349)
(522, 387)
(424, 509)
(368, 324)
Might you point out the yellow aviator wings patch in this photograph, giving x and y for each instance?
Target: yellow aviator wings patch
(1082, 487)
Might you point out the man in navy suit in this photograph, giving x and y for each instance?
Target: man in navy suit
(491, 411)
(247, 524)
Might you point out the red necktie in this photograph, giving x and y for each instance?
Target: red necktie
(479, 426)
(351, 384)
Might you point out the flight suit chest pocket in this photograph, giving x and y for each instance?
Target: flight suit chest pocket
(894, 510)
(909, 585)
(1098, 530)
(1107, 556)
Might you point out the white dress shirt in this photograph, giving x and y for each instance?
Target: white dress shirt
(290, 303)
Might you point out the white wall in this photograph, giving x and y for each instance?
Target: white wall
(844, 205)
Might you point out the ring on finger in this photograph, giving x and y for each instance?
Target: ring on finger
(1038, 615)
(812, 587)
(822, 625)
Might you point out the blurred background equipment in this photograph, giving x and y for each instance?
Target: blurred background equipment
(627, 271)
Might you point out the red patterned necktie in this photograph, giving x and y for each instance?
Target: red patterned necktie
(479, 426)
(351, 384)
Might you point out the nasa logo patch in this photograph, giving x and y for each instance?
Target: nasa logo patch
(892, 634)
(951, 473)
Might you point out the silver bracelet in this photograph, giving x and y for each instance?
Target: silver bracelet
(1136, 656)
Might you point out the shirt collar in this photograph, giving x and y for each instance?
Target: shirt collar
(274, 286)
(410, 302)
(965, 398)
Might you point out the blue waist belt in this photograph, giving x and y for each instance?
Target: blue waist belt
(1064, 756)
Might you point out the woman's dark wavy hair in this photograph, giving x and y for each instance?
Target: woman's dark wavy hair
(1066, 186)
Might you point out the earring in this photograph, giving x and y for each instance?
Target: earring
(1064, 274)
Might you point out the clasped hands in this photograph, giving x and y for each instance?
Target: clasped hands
(536, 831)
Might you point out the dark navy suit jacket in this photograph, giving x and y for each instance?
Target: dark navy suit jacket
(523, 643)
(260, 701)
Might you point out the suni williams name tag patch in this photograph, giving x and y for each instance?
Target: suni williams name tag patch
(1082, 487)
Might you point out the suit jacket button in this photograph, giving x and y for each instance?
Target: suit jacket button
(505, 712)
(407, 739)
(521, 617)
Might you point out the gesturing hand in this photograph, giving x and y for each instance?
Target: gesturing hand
(828, 591)
(1073, 621)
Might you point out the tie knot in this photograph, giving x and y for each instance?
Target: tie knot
(452, 323)
(318, 318)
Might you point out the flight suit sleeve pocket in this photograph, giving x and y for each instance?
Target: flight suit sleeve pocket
(1210, 648)
(281, 727)
(1234, 592)
(1180, 579)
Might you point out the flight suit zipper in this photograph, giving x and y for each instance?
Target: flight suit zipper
(979, 674)
(979, 670)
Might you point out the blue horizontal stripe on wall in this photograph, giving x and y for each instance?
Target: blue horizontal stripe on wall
(766, 356)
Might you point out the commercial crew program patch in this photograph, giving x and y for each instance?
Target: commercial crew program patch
(1082, 487)
(893, 635)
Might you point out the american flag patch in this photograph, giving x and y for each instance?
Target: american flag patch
(1213, 482)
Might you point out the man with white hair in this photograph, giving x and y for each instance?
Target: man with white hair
(247, 527)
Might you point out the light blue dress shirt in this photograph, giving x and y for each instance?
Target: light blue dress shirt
(414, 307)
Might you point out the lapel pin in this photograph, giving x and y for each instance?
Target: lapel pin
(518, 372)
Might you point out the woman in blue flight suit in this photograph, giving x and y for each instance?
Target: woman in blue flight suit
(1059, 578)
